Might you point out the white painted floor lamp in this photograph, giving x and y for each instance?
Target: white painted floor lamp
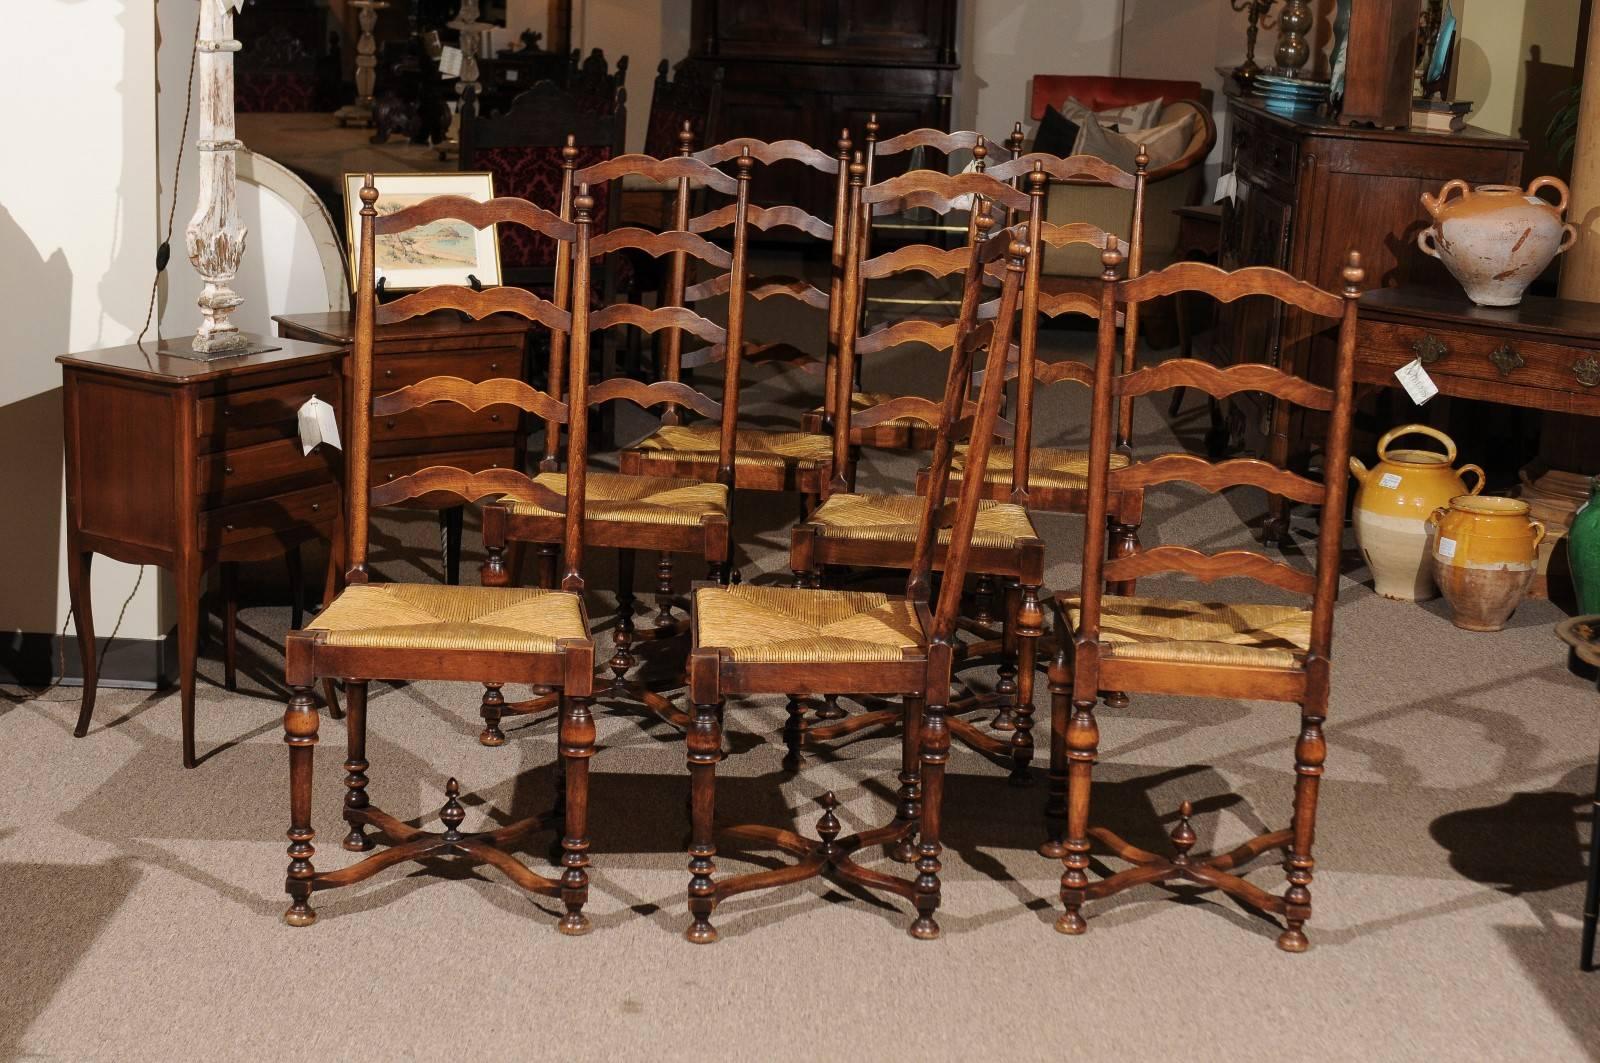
(215, 236)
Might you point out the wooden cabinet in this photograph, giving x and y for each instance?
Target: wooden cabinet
(806, 69)
(188, 464)
(442, 344)
(1308, 192)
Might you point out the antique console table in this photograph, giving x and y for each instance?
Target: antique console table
(441, 344)
(188, 464)
(1543, 354)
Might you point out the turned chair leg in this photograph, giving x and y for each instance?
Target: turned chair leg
(935, 755)
(1030, 626)
(355, 766)
(1082, 746)
(1310, 751)
(1005, 717)
(300, 734)
(666, 624)
(577, 746)
(704, 745)
(622, 660)
(546, 566)
(908, 808)
(794, 733)
(493, 707)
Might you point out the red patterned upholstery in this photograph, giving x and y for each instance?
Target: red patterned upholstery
(1100, 92)
(534, 173)
(279, 91)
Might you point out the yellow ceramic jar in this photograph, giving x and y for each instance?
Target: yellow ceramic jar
(1393, 504)
(1485, 553)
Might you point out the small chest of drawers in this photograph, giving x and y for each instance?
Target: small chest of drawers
(441, 344)
(187, 464)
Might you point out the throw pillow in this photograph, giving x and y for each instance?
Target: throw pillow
(1167, 142)
(1126, 118)
(1057, 133)
(1097, 140)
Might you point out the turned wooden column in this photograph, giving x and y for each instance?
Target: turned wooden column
(215, 236)
(360, 112)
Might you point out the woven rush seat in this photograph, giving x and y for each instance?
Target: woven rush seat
(785, 625)
(424, 616)
(610, 496)
(1170, 629)
(866, 400)
(1050, 466)
(752, 446)
(894, 519)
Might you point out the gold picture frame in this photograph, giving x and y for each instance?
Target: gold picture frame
(445, 252)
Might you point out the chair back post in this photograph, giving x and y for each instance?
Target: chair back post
(677, 279)
(578, 399)
(733, 360)
(849, 325)
(1028, 342)
(359, 420)
(1336, 454)
(560, 295)
(841, 241)
(1130, 333)
(1100, 440)
(956, 380)
(979, 442)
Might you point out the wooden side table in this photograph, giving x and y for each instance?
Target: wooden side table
(441, 344)
(188, 464)
(1543, 354)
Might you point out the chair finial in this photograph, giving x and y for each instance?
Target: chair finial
(985, 219)
(858, 170)
(1141, 161)
(686, 138)
(744, 163)
(569, 150)
(1037, 178)
(1111, 257)
(844, 143)
(583, 203)
(1354, 275)
(369, 196)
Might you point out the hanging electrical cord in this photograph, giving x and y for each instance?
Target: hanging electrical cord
(163, 256)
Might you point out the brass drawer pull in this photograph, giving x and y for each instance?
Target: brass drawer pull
(227, 470)
(493, 366)
(1506, 359)
(315, 506)
(495, 417)
(1429, 348)
(1587, 370)
(389, 423)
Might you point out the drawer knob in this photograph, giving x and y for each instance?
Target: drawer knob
(228, 527)
(388, 372)
(1429, 348)
(227, 470)
(389, 423)
(494, 366)
(1506, 359)
(1587, 370)
(315, 506)
(494, 417)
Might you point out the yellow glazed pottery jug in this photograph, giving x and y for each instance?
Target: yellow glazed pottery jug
(1392, 508)
(1485, 553)
(1495, 239)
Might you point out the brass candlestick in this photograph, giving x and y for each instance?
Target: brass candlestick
(1259, 20)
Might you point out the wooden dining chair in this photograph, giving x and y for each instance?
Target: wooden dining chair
(627, 512)
(410, 631)
(767, 459)
(867, 530)
(750, 640)
(1258, 652)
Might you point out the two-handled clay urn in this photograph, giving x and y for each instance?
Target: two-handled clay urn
(1495, 239)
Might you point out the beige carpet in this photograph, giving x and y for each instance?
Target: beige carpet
(141, 902)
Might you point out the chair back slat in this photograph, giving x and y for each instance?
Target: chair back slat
(659, 393)
(767, 153)
(1069, 169)
(1207, 568)
(448, 483)
(778, 353)
(1056, 372)
(923, 409)
(1054, 304)
(934, 261)
(652, 319)
(931, 139)
(478, 213)
(476, 305)
(1225, 287)
(475, 396)
(1220, 382)
(657, 244)
(947, 189)
(1214, 476)
(766, 219)
(933, 334)
(672, 168)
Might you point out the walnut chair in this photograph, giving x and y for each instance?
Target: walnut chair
(779, 640)
(641, 512)
(1168, 646)
(767, 459)
(880, 530)
(491, 635)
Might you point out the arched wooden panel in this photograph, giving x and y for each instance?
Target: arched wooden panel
(1213, 477)
(1226, 286)
(1203, 376)
(663, 170)
(657, 244)
(467, 486)
(662, 392)
(477, 214)
(653, 320)
(1229, 564)
(474, 396)
(476, 305)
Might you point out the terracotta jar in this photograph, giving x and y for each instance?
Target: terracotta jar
(1393, 504)
(1485, 553)
(1495, 239)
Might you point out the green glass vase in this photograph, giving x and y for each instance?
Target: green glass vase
(1583, 551)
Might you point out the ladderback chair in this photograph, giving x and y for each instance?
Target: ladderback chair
(767, 459)
(639, 512)
(879, 530)
(1259, 652)
(408, 631)
(750, 640)
(686, 100)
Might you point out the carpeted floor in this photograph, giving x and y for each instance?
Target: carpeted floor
(141, 902)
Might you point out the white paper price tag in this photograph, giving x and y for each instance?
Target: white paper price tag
(1227, 187)
(1447, 547)
(1391, 480)
(317, 425)
(450, 61)
(511, 75)
(1415, 379)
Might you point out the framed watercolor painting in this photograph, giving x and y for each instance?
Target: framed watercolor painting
(445, 252)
